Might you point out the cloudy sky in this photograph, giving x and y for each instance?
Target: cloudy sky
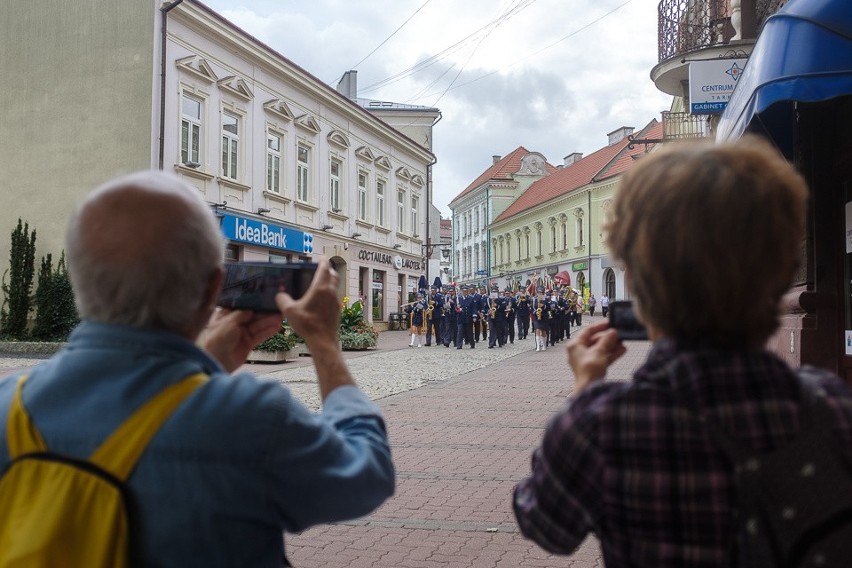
(554, 76)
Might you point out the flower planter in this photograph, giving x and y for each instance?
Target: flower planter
(269, 356)
(299, 350)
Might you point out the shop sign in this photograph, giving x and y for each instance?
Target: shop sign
(378, 285)
(270, 235)
(711, 84)
(577, 266)
(386, 258)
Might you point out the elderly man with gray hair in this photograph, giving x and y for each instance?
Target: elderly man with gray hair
(240, 461)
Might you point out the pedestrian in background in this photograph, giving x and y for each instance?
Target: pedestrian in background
(592, 304)
(631, 461)
(604, 305)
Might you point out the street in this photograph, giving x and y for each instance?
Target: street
(462, 426)
(459, 446)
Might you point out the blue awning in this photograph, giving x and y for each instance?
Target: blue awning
(803, 54)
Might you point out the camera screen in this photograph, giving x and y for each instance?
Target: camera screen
(253, 286)
(623, 319)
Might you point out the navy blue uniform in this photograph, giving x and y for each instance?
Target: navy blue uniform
(523, 310)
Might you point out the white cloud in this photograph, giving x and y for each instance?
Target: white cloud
(561, 100)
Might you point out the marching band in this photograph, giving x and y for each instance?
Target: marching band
(465, 316)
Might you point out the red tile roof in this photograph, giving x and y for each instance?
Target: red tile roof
(501, 171)
(653, 131)
(575, 176)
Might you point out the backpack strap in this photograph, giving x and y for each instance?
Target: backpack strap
(22, 436)
(119, 453)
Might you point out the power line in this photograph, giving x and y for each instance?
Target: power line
(392, 34)
(484, 30)
(545, 48)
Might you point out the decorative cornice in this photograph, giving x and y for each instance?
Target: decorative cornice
(365, 153)
(236, 86)
(339, 138)
(279, 108)
(197, 66)
(309, 123)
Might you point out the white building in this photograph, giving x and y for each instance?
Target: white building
(293, 168)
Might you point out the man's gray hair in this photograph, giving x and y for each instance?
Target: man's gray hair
(158, 271)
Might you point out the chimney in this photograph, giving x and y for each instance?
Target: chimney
(620, 134)
(348, 85)
(495, 158)
(572, 158)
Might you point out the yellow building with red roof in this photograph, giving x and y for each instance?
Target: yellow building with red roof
(555, 225)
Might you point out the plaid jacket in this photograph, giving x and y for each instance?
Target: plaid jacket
(629, 462)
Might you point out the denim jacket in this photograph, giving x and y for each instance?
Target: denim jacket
(238, 463)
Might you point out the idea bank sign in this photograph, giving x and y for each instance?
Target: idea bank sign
(270, 235)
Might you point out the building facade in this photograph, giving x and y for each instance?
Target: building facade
(484, 200)
(292, 168)
(555, 227)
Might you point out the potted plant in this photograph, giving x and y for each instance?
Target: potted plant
(275, 348)
(355, 332)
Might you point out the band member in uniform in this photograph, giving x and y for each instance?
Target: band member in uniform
(523, 315)
(539, 320)
(469, 312)
(510, 309)
(448, 321)
(434, 315)
(551, 307)
(496, 319)
(478, 324)
(416, 311)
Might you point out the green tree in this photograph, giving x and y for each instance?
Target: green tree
(56, 314)
(16, 303)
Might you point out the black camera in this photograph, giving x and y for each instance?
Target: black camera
(253, 285)
(623, 320)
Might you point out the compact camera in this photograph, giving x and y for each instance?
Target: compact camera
(623, 319)
(253, 285)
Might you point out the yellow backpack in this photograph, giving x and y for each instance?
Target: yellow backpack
(61, 511)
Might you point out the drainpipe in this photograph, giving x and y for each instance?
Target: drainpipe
(165, 11)
(434, 161)
(589, 279)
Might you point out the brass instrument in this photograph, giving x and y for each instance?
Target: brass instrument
(538, 313)
(493, 311)
(430, 309)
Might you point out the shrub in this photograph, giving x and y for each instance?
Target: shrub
(281, 341)
(16, 303)
(355, 332)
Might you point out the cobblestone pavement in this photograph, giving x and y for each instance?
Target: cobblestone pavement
(460, 443)
(462, 425)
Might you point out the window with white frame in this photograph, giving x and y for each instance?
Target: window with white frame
(501, 253)
(335, 169)
(476, 219)
(362, 195)
(380, 203)
(400, 209)
(564, 235)
(482, 219)
(527, 243)
(415, 214)
(190, 130)
(230, 145)
(578, 214)
(508, 248)
(538, 241)
(303, 171)
(520, 250)
(273, 162)
(553, 238)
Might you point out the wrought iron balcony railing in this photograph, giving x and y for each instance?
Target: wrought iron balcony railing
(681, 125)
(687, 25)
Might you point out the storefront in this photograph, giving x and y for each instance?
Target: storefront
(385, 279)
(797, 91)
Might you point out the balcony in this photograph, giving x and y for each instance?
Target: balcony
(691, 30)
(683, 125)
(686, 25)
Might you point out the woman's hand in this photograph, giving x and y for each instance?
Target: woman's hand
(590, 353)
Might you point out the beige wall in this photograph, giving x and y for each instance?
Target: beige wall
(76, 100)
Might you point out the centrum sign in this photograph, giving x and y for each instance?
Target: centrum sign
(261, 233)
(711, 84)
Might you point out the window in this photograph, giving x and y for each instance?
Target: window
(334, 170)
(476, 217)
(273, 162)
(538, 241)
(190, 131)
(564, 235)
(230, 145)
(400, 210)
(415, 205)
(380, 203)
(520, 250)
(508, 249)
(362, 196)
(501, 253)
(527, 242)
(482, 220)
(579, 231)
(553, 238)
(303, 170)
